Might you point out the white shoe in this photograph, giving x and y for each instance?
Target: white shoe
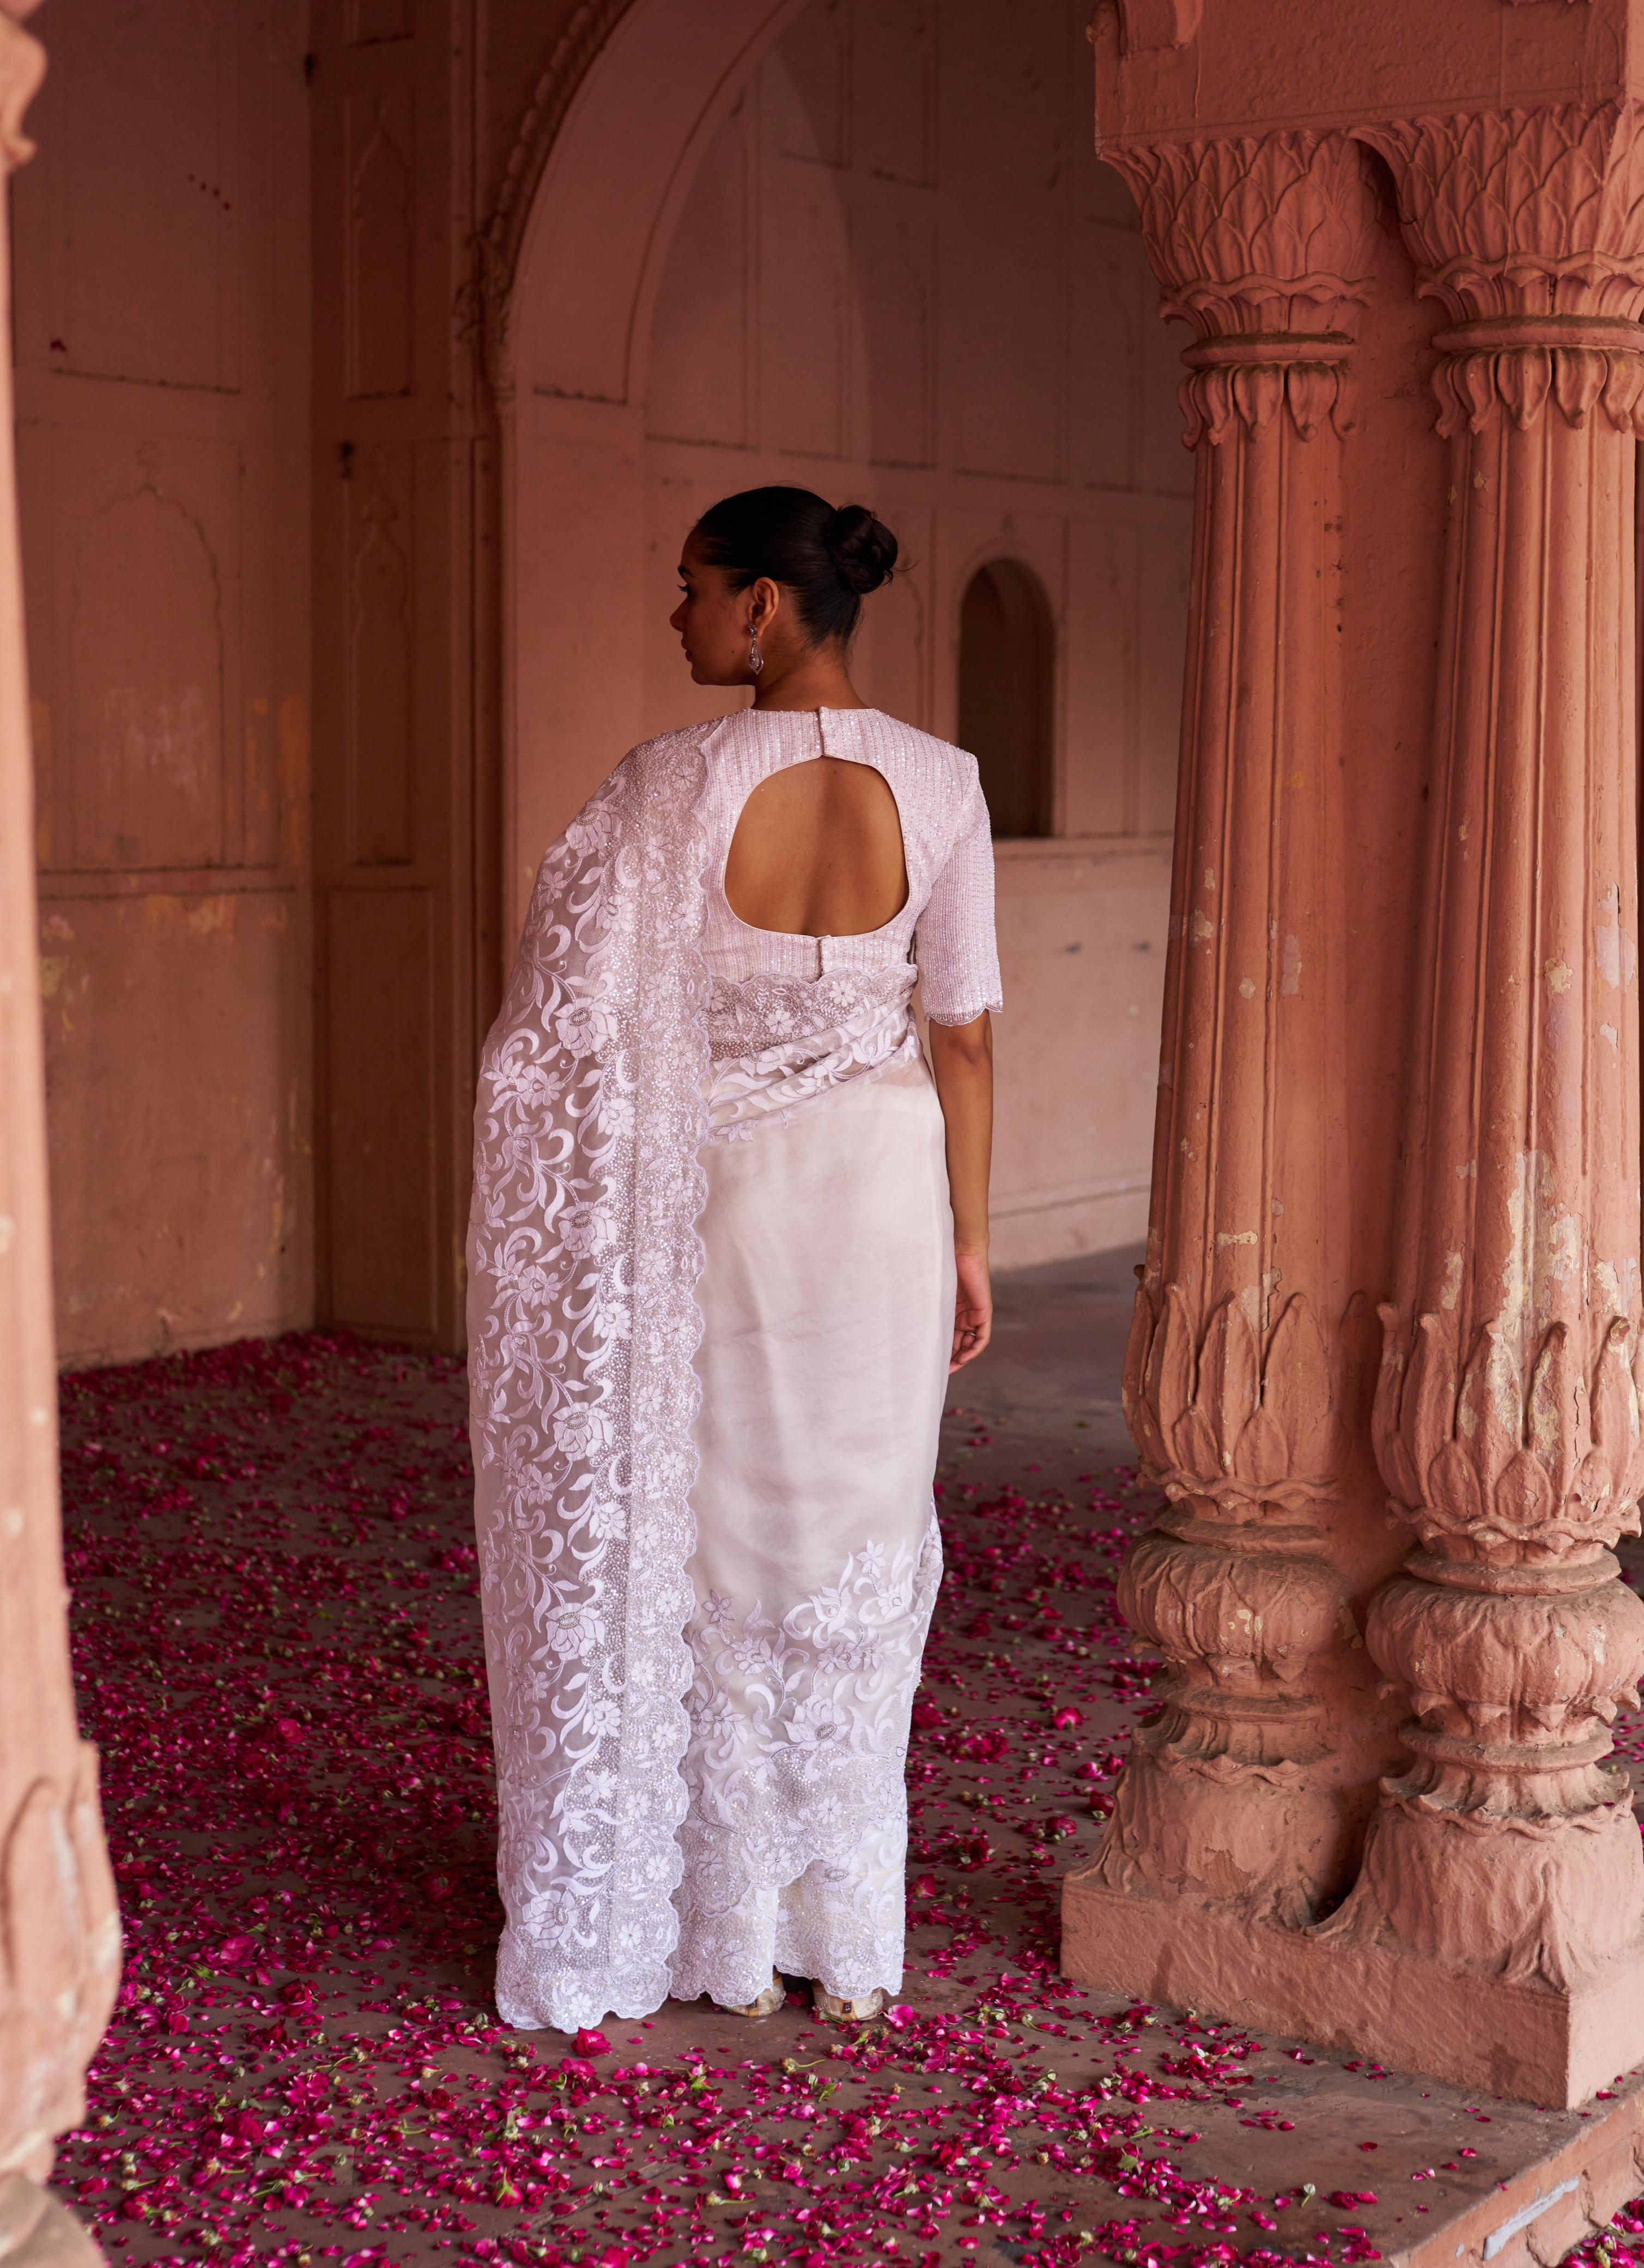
(768, 2002)
(849, 2012)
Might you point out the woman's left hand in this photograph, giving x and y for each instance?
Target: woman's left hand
(972, 1309)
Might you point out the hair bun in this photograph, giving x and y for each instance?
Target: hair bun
(861, 548)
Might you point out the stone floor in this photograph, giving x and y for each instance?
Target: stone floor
(1049, 1381)
(278, 1649)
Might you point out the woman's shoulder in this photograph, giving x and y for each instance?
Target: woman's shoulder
(663, 755)
(680, 737)
(939, 761)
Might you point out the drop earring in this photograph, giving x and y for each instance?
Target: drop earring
(756, 659)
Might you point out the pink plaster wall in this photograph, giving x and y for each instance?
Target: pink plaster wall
(161, 341)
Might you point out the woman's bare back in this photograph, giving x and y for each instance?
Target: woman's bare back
(818, 853)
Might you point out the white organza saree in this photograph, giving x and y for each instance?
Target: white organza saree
(710, 1287)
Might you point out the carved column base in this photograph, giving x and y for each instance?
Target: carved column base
(1508, 1852)
(1223, 1800)
(1494, 1936)
(1202, 1816)
(36, 2231)
(1509, 1900)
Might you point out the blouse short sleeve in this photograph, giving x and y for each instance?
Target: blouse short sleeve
(954, 943)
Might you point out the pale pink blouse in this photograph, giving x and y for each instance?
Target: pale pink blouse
(792, 1016)
(945, 929)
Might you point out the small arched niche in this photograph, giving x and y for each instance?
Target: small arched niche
(1007, 707)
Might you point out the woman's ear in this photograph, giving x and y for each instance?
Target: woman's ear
(767, 598)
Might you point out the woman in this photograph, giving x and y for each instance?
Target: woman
(728, 1240)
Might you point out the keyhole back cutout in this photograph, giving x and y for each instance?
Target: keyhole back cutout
(818, 853)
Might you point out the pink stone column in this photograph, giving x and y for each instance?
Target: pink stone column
(1502, 1875)
(1233, 1390)
(59, 1931)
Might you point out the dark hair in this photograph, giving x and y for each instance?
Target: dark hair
(828, 559)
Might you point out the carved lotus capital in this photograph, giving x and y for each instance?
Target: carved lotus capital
(1535, 212)
(1254, 234)
(1525, 1451)
(1231, 1417)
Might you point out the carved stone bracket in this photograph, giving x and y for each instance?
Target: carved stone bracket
(1515, 213)
(1233, 1390)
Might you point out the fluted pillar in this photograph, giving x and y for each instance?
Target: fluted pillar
(59, 1935)
(1507, 1421)
(1233, 1384)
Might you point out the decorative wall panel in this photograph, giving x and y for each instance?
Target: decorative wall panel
(807, 91)
(1003, 324)
(162, 393)
(145, 741)
(805, 274)
(175, 1049)
(372, 20)
(699, 362)
(1110, 313)
(892, 659)
(1084, 967)
(1100, 688)
(382, 249)
(894, 248)
(893, 77)
(149, 757)
(401, 685)
(1161, 636)
(378, 722)
(139, 117)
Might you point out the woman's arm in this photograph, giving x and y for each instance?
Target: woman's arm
(962, 1057)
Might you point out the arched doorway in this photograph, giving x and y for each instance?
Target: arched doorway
(1008, 695)
(855, 248)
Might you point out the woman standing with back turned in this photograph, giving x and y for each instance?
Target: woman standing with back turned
(728, 1240)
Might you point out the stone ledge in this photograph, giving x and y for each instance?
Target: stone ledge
(1537, 2044)
(1570, 2169)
